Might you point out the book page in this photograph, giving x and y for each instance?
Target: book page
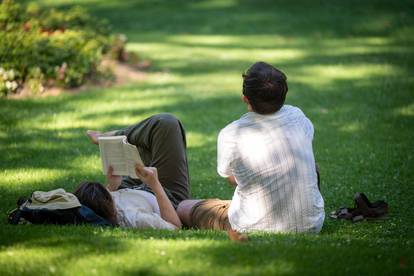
(132, 158)
(112, 154)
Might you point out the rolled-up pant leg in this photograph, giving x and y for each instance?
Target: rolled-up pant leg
(161, 142)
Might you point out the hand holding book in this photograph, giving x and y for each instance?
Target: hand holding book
(114, 181)
(148, 175)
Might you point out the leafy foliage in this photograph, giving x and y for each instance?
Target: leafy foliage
(62, 47)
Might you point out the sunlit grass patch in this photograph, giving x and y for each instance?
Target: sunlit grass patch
(23, 177)
(319, 75)
(407, 110)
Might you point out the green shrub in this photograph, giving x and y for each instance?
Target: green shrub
(64, 47)
(10, 15)
(34, 80)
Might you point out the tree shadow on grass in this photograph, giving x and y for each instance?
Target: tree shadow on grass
(307, 58)
(51, 248)
(63, 247)
(198, 252)
(299, 254)
(253, 17)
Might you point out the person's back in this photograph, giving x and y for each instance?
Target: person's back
(268, 152)
(274, 167)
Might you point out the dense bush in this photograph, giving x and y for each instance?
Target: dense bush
(40, 47)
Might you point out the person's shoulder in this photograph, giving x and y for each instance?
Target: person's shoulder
(291, 109)
(114, 194)
(291, 112)
(230, 128)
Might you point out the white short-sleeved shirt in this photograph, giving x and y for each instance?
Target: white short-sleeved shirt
(271, 158)
(138, 209)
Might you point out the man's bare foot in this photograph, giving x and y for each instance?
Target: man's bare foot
(93, 136)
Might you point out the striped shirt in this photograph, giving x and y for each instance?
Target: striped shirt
(271, 158)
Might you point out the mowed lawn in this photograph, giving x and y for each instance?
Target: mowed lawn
(350, 69)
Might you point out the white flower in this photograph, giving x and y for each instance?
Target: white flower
(11, 74)
(8, 85)
(14, 85)
(11, 85)
(122, 37)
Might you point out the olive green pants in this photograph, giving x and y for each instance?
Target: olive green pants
(161, 142)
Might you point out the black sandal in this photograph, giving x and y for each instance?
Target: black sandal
(364, 209)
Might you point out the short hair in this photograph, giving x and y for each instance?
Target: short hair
(265, 87)
(96, 197)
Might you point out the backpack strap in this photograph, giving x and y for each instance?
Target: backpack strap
(15, 216)
(86, 215)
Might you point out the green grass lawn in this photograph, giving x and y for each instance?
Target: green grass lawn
(350, 69)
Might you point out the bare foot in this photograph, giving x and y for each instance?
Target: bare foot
(93, 136)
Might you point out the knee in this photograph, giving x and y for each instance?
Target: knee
(167, 119)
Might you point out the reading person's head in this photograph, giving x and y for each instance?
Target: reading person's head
(265, 87)
(95, 196)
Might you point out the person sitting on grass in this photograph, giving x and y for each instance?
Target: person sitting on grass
(267, 155)
(151, 200)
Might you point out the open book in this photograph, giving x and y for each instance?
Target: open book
(118, 153)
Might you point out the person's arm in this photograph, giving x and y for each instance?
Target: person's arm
(114, 181)
(232, 180)
(149, 176)
(225, 157)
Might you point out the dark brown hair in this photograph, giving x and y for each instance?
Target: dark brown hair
(95, 196)
(265, 87)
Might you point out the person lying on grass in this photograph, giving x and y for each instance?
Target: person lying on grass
(267, 155)
(161, 142)
(129, 207)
